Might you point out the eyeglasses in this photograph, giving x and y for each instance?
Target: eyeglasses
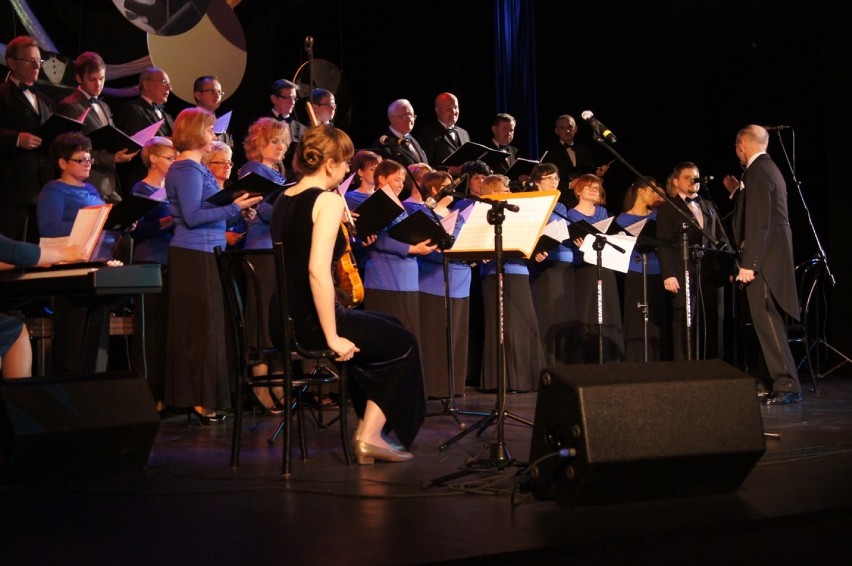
(411, 115)
(82, 160)
(550, 178)
(225, 163)
(291, 97)
(166, 157)
(162, 81)
(213, 90)
(32, 61)
(329, 104)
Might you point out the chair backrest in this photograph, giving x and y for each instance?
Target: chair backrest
(237, 272)
(289, 336)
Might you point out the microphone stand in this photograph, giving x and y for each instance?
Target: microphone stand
(601, 242)
(820, 264)
(500, 456)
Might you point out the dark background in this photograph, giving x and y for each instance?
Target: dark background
(674, 80)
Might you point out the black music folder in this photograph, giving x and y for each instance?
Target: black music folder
(125, 213)
(419, 227)
(376, 212)
(111, 139)
(583, 228)
(521, 167)
(55, 125)
(252, 184)
(471, 151)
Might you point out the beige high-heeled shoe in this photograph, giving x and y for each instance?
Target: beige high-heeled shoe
(368, 454)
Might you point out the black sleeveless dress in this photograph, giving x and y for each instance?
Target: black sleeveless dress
(387, 369)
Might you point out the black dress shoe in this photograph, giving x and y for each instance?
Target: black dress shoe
(782, 398)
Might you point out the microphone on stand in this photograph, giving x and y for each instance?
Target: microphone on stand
(703, 180)
(433, 201)
(309, 43)
(776, 128)
(598, 126)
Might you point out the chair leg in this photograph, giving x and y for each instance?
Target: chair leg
(344, 406)
(300, 420)
(236, 435)
(288, 428)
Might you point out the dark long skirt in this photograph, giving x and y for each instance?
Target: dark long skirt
(586, 278)
(554, 296)
(524, 358)
(433, 336)
(196, 361)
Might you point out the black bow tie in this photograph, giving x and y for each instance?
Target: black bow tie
(452, 129)
(568, 145)
(94, 100)
(25, 88)
(406, 139)
(695, 199)
(159, 107)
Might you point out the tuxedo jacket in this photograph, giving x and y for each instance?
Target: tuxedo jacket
(558, 155)
(502, 167)
(439, 144)
(404, 153)
(103, 175)
(132, 116)
(23, 172)
(714, 269)
(762, 231)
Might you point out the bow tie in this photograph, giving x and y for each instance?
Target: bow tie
(452, 129)
(158, 107)
(696, 199)
(25, 88)
(568, 145)
(282, 118)
(94, 100)
(406, 139)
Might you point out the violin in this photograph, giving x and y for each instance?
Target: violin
(349, 287)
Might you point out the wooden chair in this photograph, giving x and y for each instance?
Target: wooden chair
(238, 271)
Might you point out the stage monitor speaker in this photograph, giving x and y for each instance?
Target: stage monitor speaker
(631, 431)
(59, 428)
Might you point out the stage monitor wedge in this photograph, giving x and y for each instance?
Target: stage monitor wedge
(638, 431)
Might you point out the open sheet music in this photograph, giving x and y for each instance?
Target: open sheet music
(86, 231)
(521, 230)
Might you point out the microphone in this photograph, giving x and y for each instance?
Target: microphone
(703, 180)
(776, 128)
(309, 43)
(596, 124)
(433, 201)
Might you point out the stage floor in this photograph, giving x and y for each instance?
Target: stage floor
(190, 506)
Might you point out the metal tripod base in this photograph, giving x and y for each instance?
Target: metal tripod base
(449, 409)
(480, 426)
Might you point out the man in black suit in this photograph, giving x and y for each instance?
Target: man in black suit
(324, 105)
(207, 92)
(282, 95)
(503, 131)
(441, 139)
(144, 110)
(90, 73)
(763, 236)
(24, 165)
(396, 142)
(707, 304)
(571, 158)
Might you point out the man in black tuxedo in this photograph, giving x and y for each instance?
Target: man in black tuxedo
(503, 131)
(24, 165)
(207, 92)
(324, 105)
(396, 142)
(571, 158)
(441, 139)
(762, 233)
(707, 292)
(143, 111)
(90, 73)
(282, 95)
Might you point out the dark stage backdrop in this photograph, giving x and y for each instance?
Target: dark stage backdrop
(673, 79)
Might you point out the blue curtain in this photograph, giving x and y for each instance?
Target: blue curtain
(515, 72)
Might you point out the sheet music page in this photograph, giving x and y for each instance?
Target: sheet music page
(87, 227)
(449, 222)
(223, 122)
(389, 191)
(636, 228)
(343, 187)
(558, 230)
(521, 229)
(55, 243)
(146, 134)
(610, 258)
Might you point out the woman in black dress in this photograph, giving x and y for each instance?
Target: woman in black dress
(384, 360)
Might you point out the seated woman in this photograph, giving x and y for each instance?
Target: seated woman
(61, 199)
(16, 356)
(524, 358)
(384, 367)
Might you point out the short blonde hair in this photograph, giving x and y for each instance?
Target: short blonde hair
(190, 130)
(218, 148)
(495, 184)
(155, 146)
